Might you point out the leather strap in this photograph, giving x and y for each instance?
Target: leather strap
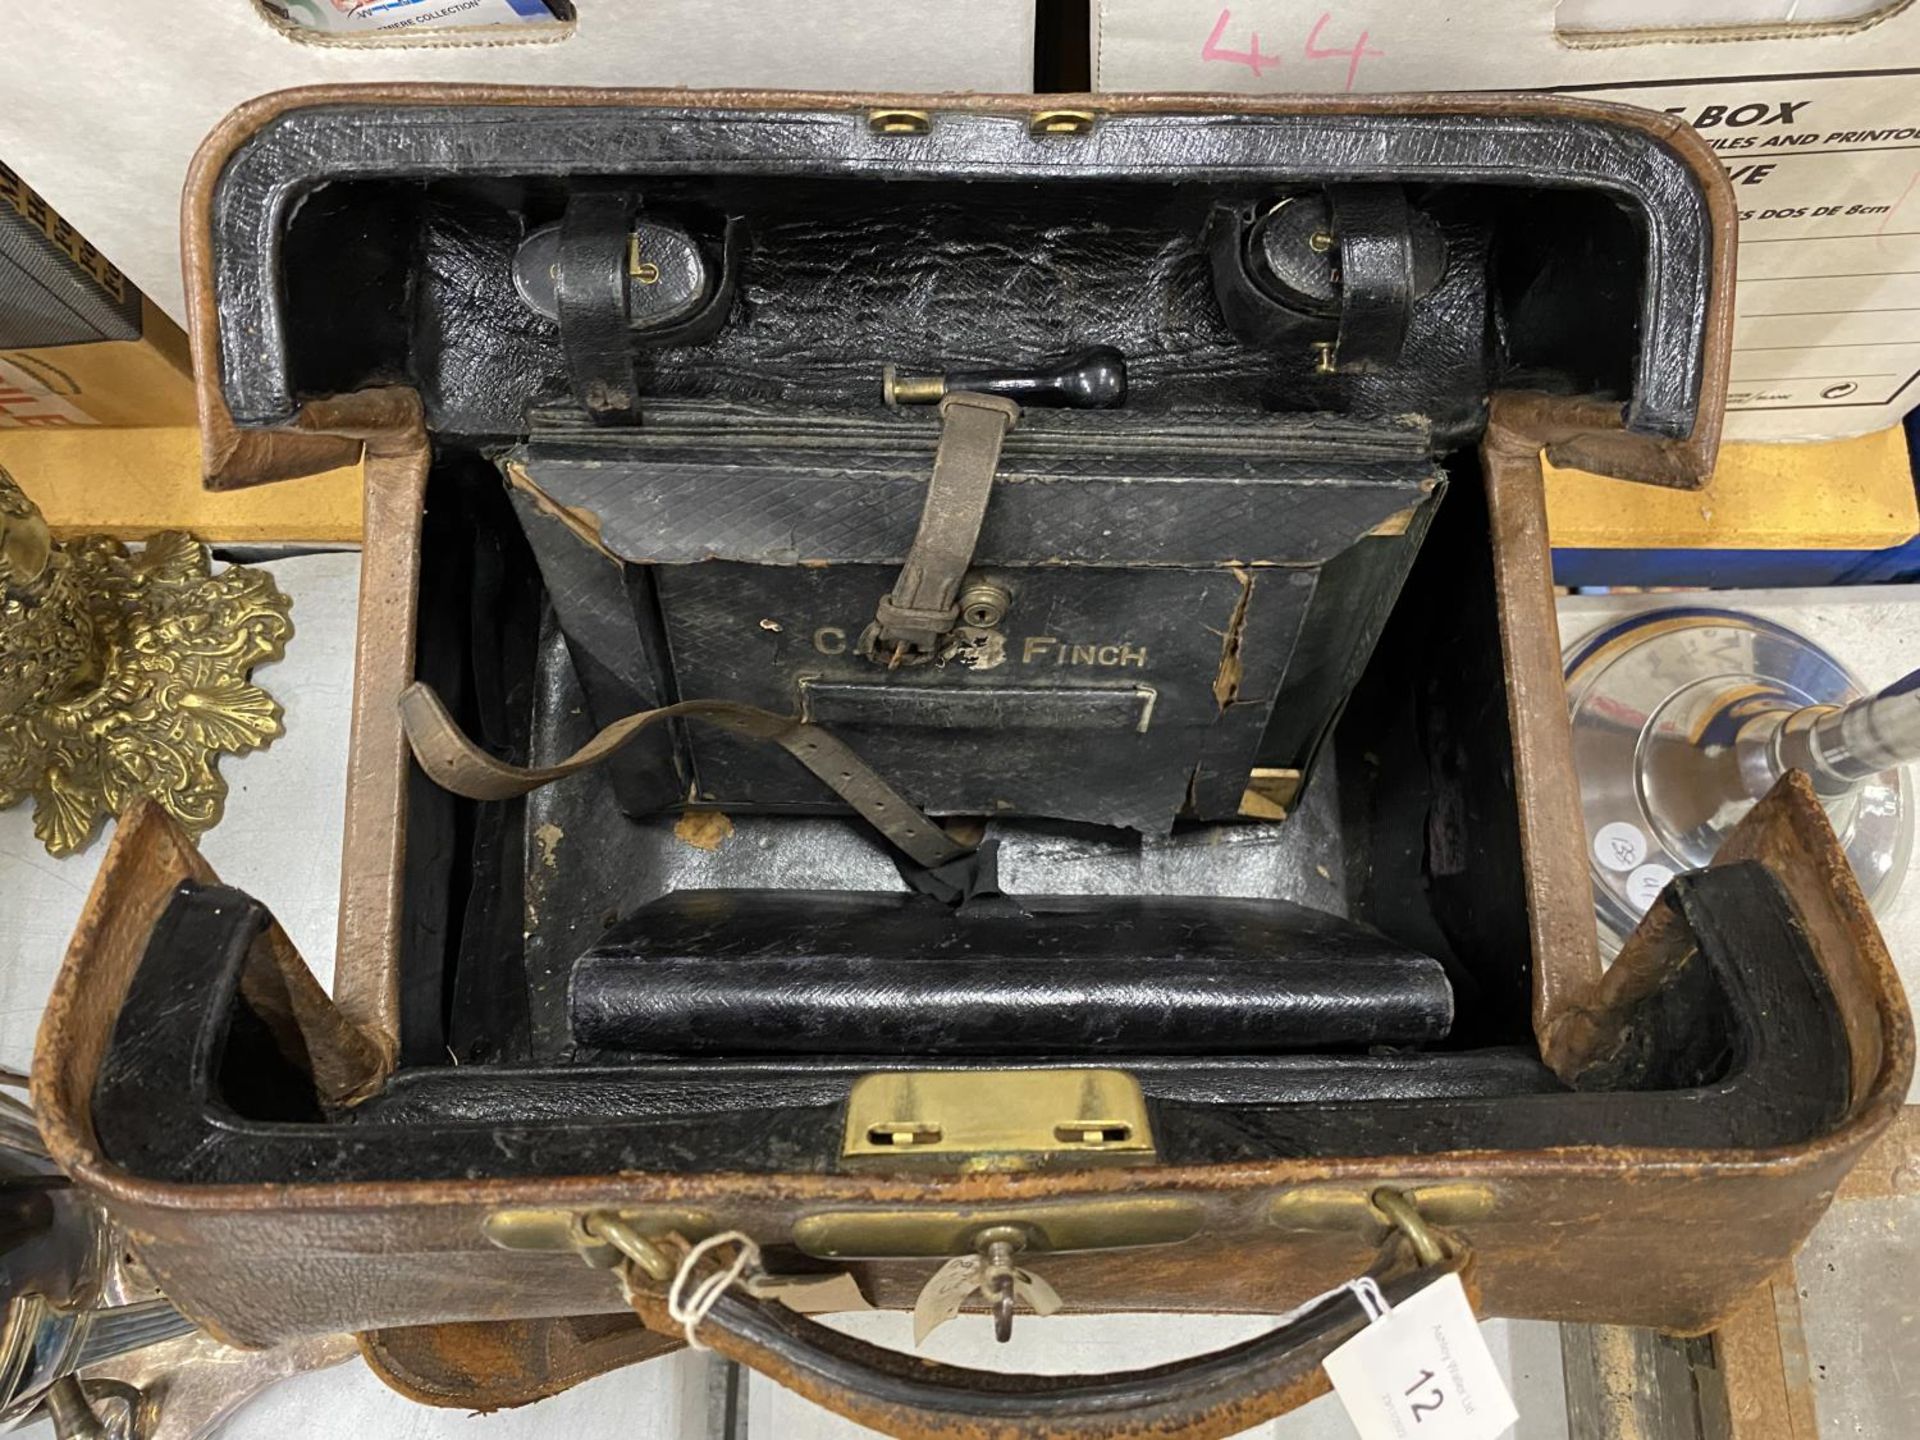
(590, 299)
(1375, 234)
(922, 608)
(455, 763)
(1217, 1394)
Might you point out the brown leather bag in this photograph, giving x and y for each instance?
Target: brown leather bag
(454, 1280)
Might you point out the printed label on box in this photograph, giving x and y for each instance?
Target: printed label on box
(1826, 170)
(1818, 125)
(25, 402)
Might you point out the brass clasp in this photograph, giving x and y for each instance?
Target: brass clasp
(997, 1119)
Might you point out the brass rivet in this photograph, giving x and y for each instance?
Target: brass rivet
(899, 122)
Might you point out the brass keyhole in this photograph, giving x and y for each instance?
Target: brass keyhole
(983, 605)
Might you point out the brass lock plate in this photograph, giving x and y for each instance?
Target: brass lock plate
(997, 1119)
(1350, 1208)
(556, 1231)
(927, 1232)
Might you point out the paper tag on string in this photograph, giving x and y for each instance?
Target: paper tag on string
(940, 1300)
(810, 1294)
(955, 1282)
(1423, 1372)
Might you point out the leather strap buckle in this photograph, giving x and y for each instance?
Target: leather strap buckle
(923, 608)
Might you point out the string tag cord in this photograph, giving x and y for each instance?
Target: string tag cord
(688, 1310)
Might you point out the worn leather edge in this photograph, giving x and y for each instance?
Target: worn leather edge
(499, 1365)
(148, 856)
(1566, 949)
(366, 975)
(1789, 833)
(236, 458)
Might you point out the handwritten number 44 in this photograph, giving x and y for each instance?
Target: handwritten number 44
(1427, 1404)
(1259, 62)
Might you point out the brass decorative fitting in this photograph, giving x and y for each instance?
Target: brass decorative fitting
(1060, 122)
(899, 122)
(124, 674)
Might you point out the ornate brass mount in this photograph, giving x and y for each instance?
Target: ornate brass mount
(126, 674)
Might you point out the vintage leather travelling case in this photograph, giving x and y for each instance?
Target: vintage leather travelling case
(1151, 854)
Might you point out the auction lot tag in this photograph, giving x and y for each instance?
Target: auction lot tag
(1423, 1372)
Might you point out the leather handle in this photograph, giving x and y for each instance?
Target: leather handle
(1220, 1393)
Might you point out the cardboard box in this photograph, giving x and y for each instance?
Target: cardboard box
(117, 383)
(79, 345)
(1818, 124)
(106, 101)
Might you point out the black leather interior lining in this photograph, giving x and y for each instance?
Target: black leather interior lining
(743, 162)
(823, 305)
(740, 972)
(635, 1088)
(1777, 1073)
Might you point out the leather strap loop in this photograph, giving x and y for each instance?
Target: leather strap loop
(455, 763)
(590, 298)
(910, 622)
(1374, 230)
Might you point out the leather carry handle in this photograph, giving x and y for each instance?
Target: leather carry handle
(452, 761)
(1217, 1394)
